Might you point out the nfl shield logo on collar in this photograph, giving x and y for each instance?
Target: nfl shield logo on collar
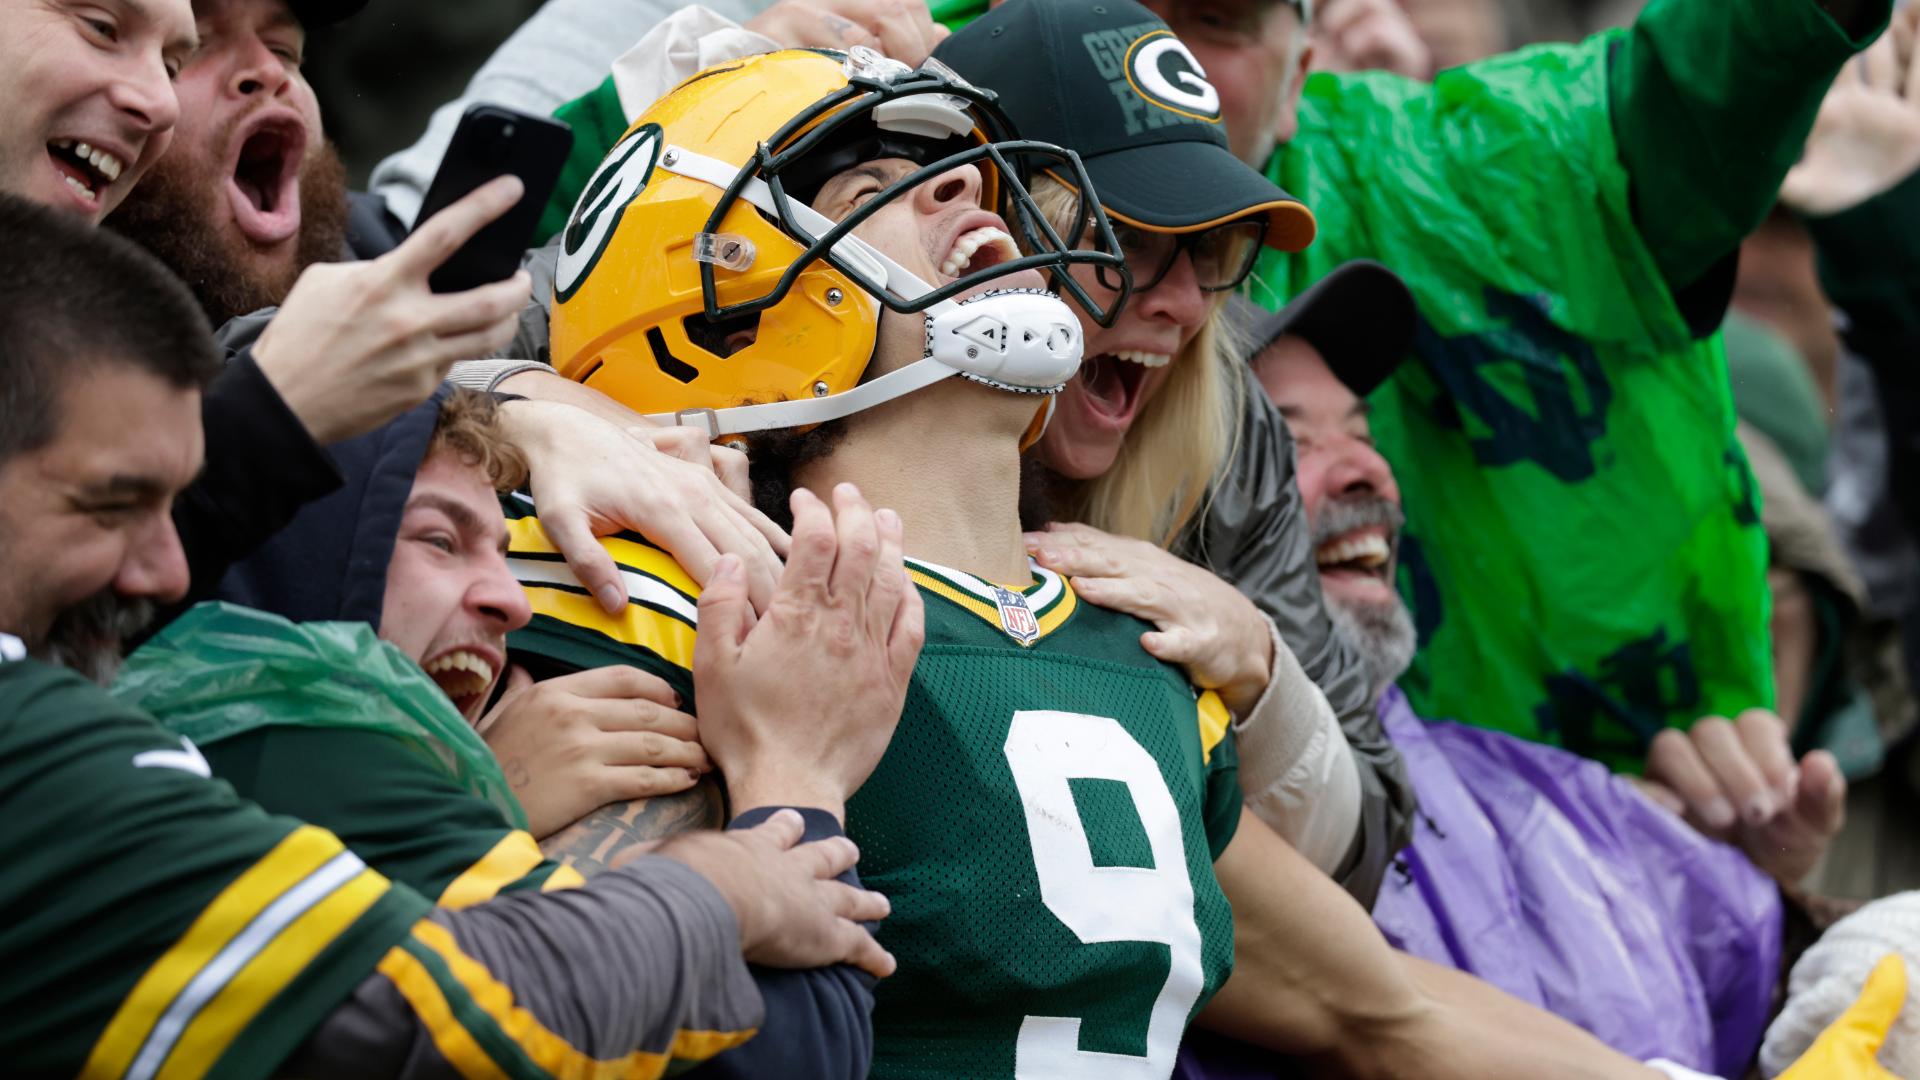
(1016, 618)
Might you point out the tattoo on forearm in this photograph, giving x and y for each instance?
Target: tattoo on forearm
(619, 831)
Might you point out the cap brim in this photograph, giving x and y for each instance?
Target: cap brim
(1361, 318)
(1189, 186)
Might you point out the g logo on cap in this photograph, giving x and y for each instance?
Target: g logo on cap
(1162, 70)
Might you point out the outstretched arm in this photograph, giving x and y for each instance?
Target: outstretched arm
(1711, 103)
(1313, 978)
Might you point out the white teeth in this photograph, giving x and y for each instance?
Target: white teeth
(462, 660)
(108, 165)
(970, 242)
(104, 161)
(1368, 549)
(78, 186)
(1145, 359)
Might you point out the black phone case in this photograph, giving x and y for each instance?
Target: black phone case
(493, 141)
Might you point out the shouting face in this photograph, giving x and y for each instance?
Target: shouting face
(451, 601)
(1353, 504)
(249, 194)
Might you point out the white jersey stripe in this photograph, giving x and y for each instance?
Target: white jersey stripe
(640, 587)
(235, 956)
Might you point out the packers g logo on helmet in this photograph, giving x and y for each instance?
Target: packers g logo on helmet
(620, 178)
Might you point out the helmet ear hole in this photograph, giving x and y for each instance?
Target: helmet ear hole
(723, 337)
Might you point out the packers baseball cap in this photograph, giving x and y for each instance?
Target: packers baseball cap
(312, 13)
(1360, 318)
(1107, 80)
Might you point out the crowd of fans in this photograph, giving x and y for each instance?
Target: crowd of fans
(1046, 538)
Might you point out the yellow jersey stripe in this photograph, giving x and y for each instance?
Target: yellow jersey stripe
(514, 857)
(550, 1051)
(563, 877)
(1214, 719)
(524, 536)
(294, 859)
(666, 637)
(1055, 617)
(250, 990)
(455, 1043)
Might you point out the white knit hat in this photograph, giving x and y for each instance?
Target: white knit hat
(1829, 978)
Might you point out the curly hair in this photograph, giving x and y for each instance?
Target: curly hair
(469, 428)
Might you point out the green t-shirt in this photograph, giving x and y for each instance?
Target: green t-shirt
(153, 919)
(1044, 821)
(1583, 554)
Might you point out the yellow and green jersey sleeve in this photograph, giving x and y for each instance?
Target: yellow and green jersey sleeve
(392, 806)
(571, 632)
(158, 926)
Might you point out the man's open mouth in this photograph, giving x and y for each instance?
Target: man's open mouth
(88, 169)
(265, 189)
(463, 676)
(976, 250)
(1365, 552)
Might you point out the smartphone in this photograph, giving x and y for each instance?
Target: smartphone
(493, 141)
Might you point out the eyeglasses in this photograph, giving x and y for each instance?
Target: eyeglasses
(1222, 256)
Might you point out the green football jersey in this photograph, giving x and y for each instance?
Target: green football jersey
(156, 925)
(1044, 822)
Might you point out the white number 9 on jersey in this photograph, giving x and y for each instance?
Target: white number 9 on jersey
(1104, 903)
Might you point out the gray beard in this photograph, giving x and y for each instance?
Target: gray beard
(1383, 636)
(1381, 633)
(87, 639)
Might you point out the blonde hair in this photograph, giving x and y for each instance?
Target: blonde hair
(1182, 439)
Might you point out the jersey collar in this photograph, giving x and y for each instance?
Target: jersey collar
(1048, 598)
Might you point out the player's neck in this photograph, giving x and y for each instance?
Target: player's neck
(955, 485)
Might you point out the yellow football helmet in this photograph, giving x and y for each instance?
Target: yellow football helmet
(694, 279)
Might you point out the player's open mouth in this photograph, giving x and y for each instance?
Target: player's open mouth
(976, 250)
(88, 169)
(464, 676)
(264, 187)
(1110, 382)
(1363, 552)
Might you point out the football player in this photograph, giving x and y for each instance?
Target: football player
(801, 251)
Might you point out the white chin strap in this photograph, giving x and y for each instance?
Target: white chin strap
(1026, 341)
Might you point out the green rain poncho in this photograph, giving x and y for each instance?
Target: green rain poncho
(1583, 553)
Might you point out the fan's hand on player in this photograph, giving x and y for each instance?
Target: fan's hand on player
(1368, 35)
(591, 477)
(356, 344)
(1204, 624)
(792, 912)
(901, 29)
(1866, 138)
(798, 704)
(576, 743)
(1738, 782)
